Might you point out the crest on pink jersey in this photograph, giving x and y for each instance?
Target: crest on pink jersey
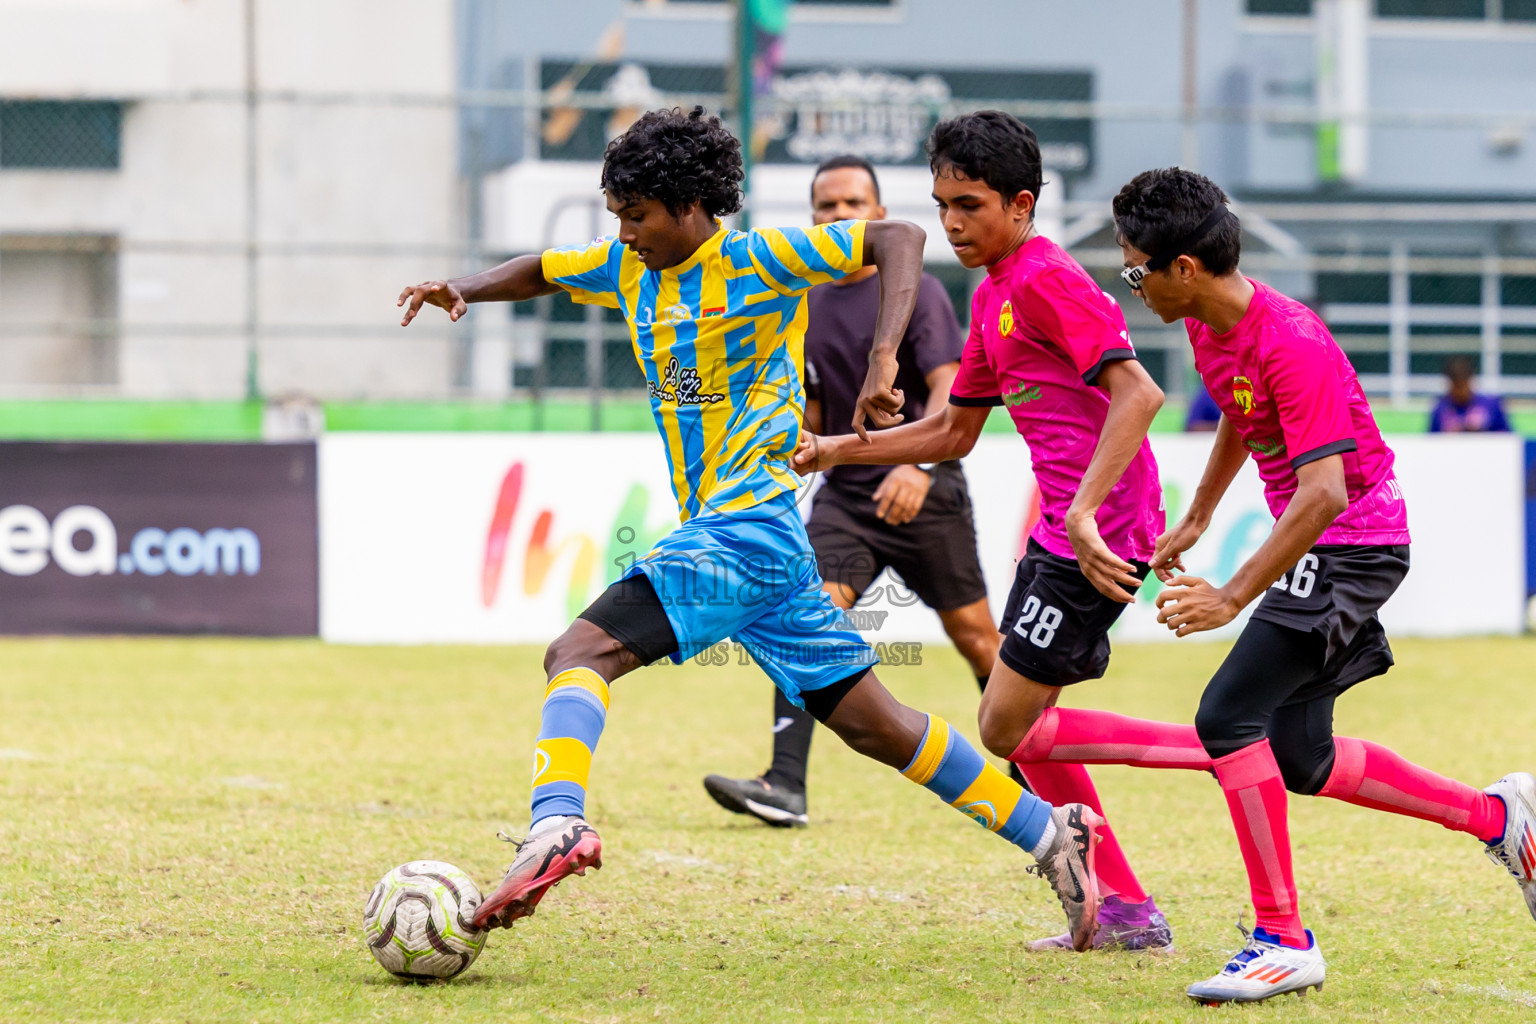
(1242, 394)
(1005, 319)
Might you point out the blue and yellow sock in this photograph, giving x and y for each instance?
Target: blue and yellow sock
(575, 708)
(947, 764)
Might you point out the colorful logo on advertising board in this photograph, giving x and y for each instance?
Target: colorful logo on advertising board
(628, 539)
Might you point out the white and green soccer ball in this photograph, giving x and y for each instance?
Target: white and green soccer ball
(417, 922)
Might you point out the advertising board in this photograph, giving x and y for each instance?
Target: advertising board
(503, 538)
(158, 538)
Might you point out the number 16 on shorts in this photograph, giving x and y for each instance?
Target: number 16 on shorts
(1300, 580)
(1037, 623)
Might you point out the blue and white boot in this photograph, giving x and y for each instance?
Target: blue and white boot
(1262, 969)
(1515, 850)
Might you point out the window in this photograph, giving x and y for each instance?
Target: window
(1373, 288)
(1301, 7)
(1468, 10)
(1431, 9)
(60, 134)
(1517, 291)
(1445, 290)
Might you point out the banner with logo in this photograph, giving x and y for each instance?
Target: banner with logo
(809, 113)
(158, 538)
(504, 538)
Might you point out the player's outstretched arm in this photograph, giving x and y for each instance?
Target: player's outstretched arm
(948, 435)
(1191, 605)
(521, 277)
(896, 248)
(1134, 399)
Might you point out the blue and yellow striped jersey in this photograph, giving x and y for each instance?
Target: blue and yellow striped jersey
(721, 340)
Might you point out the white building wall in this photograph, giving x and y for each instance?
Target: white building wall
(358, 193)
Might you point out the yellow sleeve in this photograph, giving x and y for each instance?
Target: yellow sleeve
(590, 273)
(795, 260)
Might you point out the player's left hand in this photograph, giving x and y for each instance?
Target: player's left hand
(881, 400)
(814, 454)
(900, 496)
(1191, 605)
(1108, 572)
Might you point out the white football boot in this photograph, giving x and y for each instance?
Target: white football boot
(1516, 849)
(1262, 969)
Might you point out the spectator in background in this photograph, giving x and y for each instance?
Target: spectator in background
(1462, 410)
(1204, 414)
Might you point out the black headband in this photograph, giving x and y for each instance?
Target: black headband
(1186, 243)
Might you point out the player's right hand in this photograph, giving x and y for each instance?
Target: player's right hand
(1168, 554)
(880, 400)
(436, 293)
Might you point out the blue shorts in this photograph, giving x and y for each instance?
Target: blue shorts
(751, 576)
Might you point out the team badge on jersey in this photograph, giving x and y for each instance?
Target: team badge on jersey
(676, 314)
(1242, 394)
(1005, 319)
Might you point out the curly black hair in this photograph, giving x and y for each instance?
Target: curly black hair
(989, 146)
(678, 159)
(1158, 209)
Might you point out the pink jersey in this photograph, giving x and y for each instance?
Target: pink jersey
(1289, 390)
(1041, 330)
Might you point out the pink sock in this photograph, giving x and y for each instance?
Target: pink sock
(1255, 794)
(1059, 784)
(1102, 737)
(1370, 775)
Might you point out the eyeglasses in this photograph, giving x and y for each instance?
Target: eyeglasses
(1133, 276)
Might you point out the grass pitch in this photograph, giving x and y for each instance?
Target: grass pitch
(189, 829)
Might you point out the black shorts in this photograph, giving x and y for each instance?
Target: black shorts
(631, 612)
(1335, 591)
(934, 554)
(1055, 625)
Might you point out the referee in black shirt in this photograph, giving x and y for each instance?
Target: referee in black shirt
(914, 519)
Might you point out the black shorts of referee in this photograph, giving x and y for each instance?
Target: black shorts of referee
(934, 553)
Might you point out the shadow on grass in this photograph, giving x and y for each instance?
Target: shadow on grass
(473, 979)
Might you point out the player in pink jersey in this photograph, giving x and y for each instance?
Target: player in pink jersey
(1339, 549)
(1048, 343)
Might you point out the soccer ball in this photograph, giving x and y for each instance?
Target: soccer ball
(417, 921)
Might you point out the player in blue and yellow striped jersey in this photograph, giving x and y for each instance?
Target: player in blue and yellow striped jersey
(717, 320)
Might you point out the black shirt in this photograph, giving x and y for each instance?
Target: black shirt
(839, 333)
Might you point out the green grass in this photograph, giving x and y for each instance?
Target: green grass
(188, 829)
